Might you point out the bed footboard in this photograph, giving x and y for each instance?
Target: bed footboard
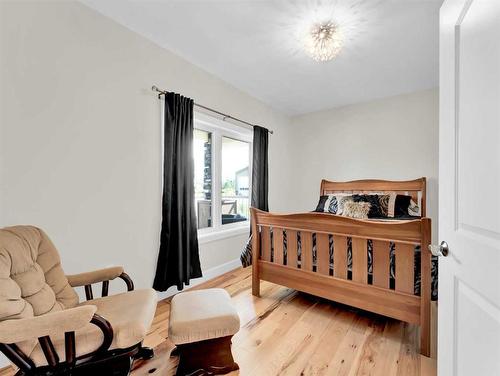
(327, 256)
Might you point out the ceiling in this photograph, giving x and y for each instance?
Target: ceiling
(390, 46)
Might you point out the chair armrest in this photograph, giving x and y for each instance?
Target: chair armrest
(68, 320)
(95, 276)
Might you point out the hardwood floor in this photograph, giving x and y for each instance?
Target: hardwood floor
(290, 333)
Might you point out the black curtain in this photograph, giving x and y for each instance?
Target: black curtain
(260, 183)
(260, 178)
(178, 258)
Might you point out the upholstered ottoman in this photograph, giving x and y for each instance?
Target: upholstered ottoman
(201, 325)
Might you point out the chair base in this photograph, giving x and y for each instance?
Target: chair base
(145, 353)
(116, 366)
(210, 357)
(111, 363)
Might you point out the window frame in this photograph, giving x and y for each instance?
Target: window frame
(219, 129)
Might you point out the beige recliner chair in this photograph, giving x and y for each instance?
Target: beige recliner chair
(45, 330)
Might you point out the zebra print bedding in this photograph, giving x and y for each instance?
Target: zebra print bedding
(246, 260)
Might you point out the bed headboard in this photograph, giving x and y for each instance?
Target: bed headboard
(414, 188)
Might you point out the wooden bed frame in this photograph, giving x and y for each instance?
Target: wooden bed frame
(270, 264)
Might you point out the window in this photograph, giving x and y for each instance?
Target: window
(235, 187)
(202, 149)
(221, 174)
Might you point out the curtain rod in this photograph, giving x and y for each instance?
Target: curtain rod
(224, 116)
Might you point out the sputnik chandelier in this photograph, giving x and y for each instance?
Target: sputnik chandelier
(323, 41)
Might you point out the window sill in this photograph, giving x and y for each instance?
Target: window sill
(207, 237)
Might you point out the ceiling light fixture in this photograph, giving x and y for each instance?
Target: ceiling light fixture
(323, 41)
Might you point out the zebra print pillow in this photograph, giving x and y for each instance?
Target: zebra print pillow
(333, 204)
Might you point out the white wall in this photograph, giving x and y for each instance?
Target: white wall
(394, 138)
(80, 135)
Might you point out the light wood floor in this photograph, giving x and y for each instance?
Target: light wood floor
(285, 332)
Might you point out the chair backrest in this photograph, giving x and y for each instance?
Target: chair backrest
(32, 281)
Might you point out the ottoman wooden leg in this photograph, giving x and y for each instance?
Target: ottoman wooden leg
(210, 357)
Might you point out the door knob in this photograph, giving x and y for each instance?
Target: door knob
(439, 250)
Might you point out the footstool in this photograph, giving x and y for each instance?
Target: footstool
(201, 325)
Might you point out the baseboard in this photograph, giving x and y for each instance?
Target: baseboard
(207, 275)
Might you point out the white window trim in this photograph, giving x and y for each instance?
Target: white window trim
(220, 129)
(211, 236)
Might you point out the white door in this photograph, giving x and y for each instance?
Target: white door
(469, 188)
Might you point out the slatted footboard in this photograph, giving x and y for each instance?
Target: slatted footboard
(327, 256)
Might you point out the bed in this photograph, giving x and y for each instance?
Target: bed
(382, 266)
